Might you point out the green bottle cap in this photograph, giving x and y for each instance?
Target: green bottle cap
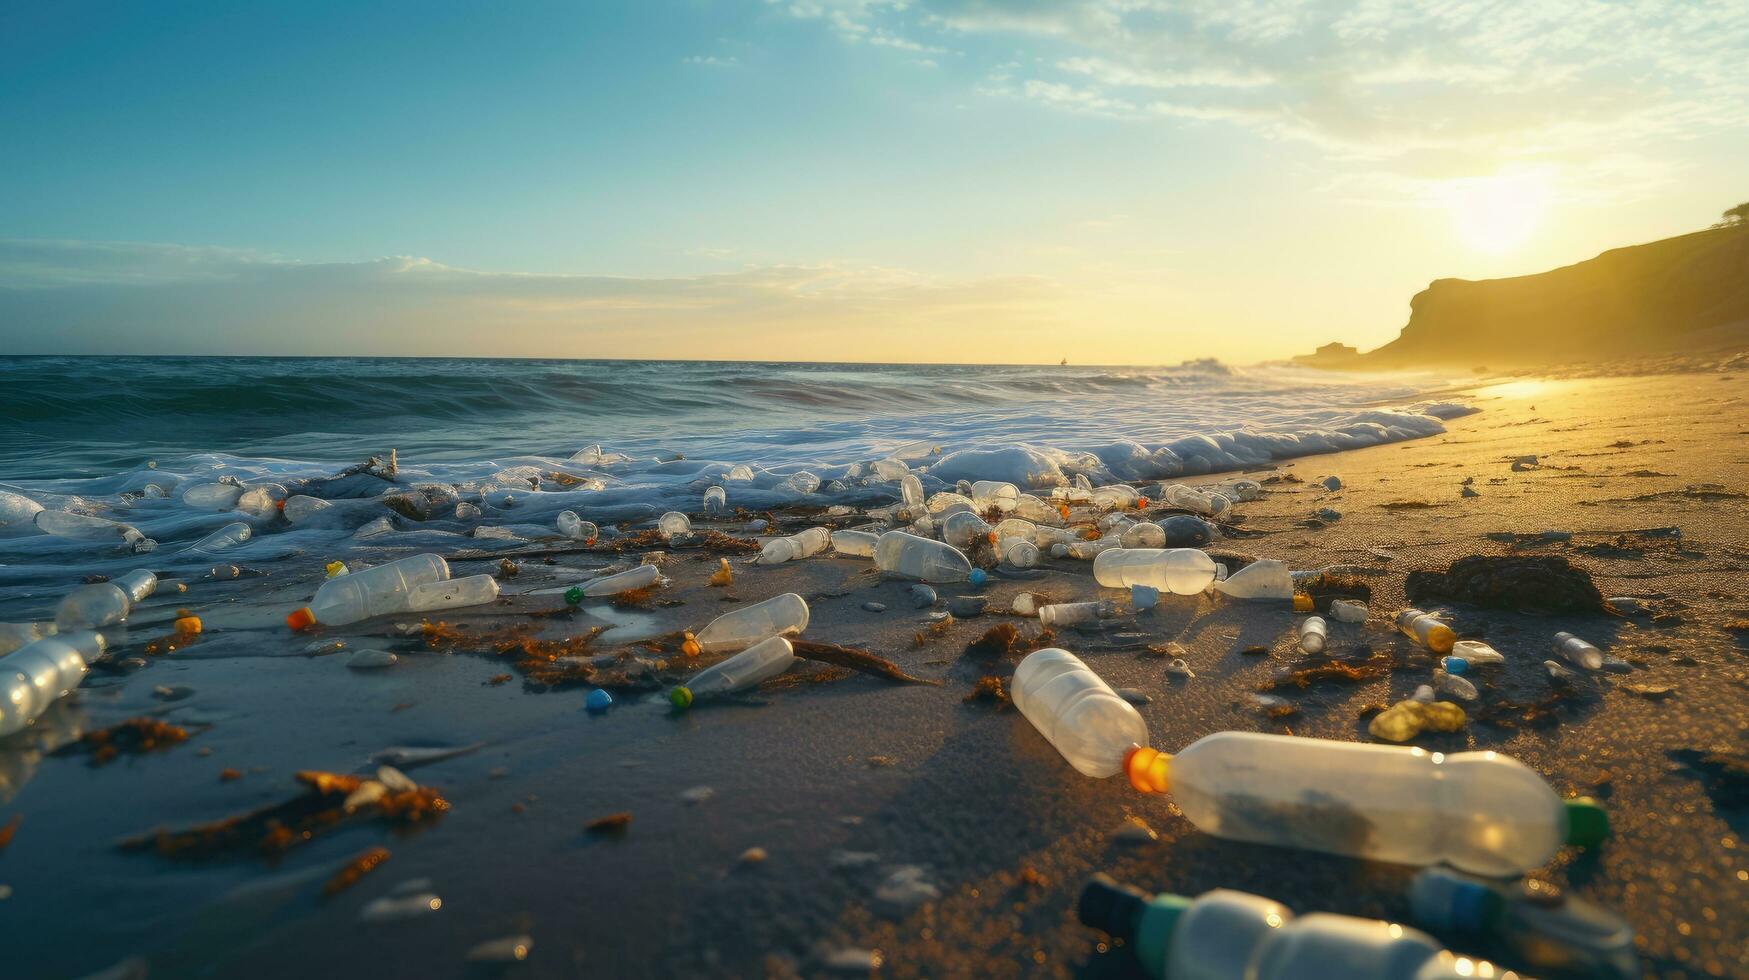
(1154, 931)
(574, 594)
(1587, 822)
(680, 698)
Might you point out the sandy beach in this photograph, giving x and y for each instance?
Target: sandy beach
(834, 820)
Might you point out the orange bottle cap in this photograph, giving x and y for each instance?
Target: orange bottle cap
(1148, 769)
(301, 618)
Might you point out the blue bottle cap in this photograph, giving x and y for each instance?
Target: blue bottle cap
(1455, 665)
(598, 701)
(978, 577)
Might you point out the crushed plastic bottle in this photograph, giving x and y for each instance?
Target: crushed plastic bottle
(802, 544)
(1233, 935)
(1265, 578)
(1248, 490)
(1031, 508)
(1017, 552)
(373, 592)
(1426, 630)
(803, 482)
(1481, 812)
(1410, 717)
(1075, 613)
(1475, 653)
(91, 606)
(909, 556)
(17, 510)
(716, 500)
(1076, 711)
(1448, 682)
(857, 544)
(889, 469)
(674, 524)
(1147, 534)
(784, 615)
(1197, 501)
(299, 508)
(1529, 921)
(962, 528)
(576, 528)
(454, 593)
(1181, 571)
(37, 674)
(1313, 634)
(634, 578)
(1026, 604)
(224, 539)
(263, 500)
(1578, 652)
(749, 668)
(987, 494)
(212, 496)
(739, 473)
(1348, 611)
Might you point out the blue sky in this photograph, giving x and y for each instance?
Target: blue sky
(824, 179)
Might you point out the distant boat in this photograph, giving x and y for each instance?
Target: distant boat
(1063, 363)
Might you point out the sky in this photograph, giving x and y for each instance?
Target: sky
(1108, 181)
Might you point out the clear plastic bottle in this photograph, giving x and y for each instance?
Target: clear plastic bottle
(373, 592)
(1427, 630)
(1181, 571)
(784, 615)
(1478, 811)
(212, 496)
(1265, 578)
(910, 556)
(1530, 921)
(749, 668)
(262, 501)
(1118, 496)
(911, 493)
(16, 635)
(1232, 935)
(299, 508)
(890, 469)
(36, 674)
(962, 528)
(994, 493)
(1045, 537)
(1017, 552)
(857, 544)
(66, 524)
(1147, 534)
(716, 500)
(739, 473)
(17, 510)
(673, 524)
(1313, 634)
(576, 528)
(224, 539)
(1348, 611)
(1031, 508)
(1076, 711)
(632, 578)
(1014, 527)
(1087, 550)
(802, 544)
(452, 593)
(1578, 652)
(941, 501)
(91, 606)
(1073, 613)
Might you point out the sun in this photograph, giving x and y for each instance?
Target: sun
(1497, 213)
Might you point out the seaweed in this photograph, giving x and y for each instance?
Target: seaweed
(1345, 671)
(854, 659)
(354, 870)
(1517, 582)
(612, 825)
(136, 736)
(1540, 713)
(10, 829)
(988, 690)
(1004, 640)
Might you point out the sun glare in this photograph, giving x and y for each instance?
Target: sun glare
(1497, 213)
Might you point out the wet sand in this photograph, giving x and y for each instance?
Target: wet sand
(855, 782)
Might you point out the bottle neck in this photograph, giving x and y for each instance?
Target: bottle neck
(1149, 770)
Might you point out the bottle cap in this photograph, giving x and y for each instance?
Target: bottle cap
(1149, 770)
(1587, 822)
(301, 619)
(574, 595)
(680, 698)
(978, 577)
(1440, 900)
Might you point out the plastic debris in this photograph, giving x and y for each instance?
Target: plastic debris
(597, 702)
(749, 668)
(1182, 571)
(1448, 682)
(1475, 653)
(509, 949)
(1144, 597)
(803, 544)
(572, 526)
(1076, 711)
(1578, 652)
(1530, 920)
(1409, 718)
(37, 674)
(1348, 611)
(1178, 668)
(1312, 634)
(784, 615)
(1426, 630)
(1262, 579)
(1075, 613)
(641, 577)
(373, 592)
(372, 660)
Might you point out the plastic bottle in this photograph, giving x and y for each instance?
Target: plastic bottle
(91, 606)
(262, 501)
(1181, 571)
(802, 544)
(911, 493)
(784, 615)
(1529, 921)
(739, 473)
(1088, 550)
(1017, 552)
(1076, 711)
(373, 592)
(1478, 811)
(36, 674)
(634, 578)
(1578, 652)
(994, 493)
(225, 538)
(453, 593)
(1073, 613)
(890, 469)
(1265, 578)
(1426, 630)
(1147, 534)
(749, 668)
(716, 500)
(1348, 611)
(576, 528)
(674, 523)
(941, 501)
(910, 556)
(857, 544)
(1045, 537)
(212, 496)
(961, 529)
(17, 510)
(1475, 653)
(1014, 527)
(1233, 935)
(1313, 634)
(16, 635)
(65, 524)
(299, 508)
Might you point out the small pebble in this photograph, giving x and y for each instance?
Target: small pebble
(861, 962)
(1616, 665)
(1185, 531)
(840, 858)
(1423, 694)
(1135, 695)
(372, 660)
(1630, 606)
(1524, 463)
(967, 606)
(875, 606)
(510, 949)
(1655, 692)
(1331, 483)
(1134, 831)
(1558, 673)
(938, 616)
(1026, 604)
(753, 855)
(1468, 492)
(165, 693)
(922, 595)
(1327, 514)
(905, 889)
(1144, 597)
(598, 701)
(1348, 611)
(696, 795)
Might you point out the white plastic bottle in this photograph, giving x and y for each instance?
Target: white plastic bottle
(1578, 652)
(1478, 811)
(1232, 935)
(1076, 711)
(373, 592)
(1426, 629)
(857, 544)
(673, 524)
(91, 606)
(453, 593)
(1348, 611)
(784, 615)
(994, 493)
(632, 578)
(299, 507)
(16, 635)
(749, 668)
(1313, 634)
(1265, 578)
(962, 528)
(36, 674)
(1181, 571)
(910, 556)
(212, 496)
(1075, 613)
(224, 539)
(576, 528)
(802, 544)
